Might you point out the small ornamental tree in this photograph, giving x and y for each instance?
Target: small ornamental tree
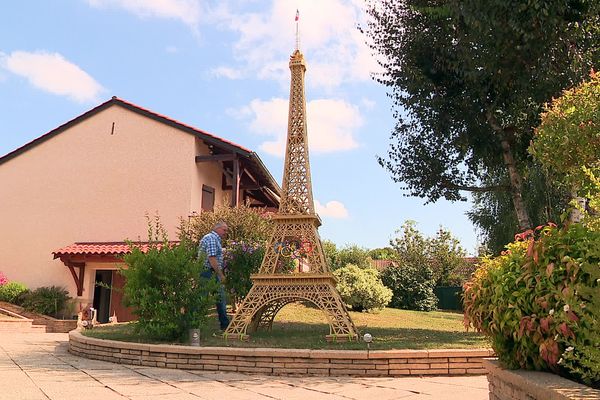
(361, 288)
(421, 264)
(446, 257)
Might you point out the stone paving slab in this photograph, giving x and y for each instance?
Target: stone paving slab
(37, 366)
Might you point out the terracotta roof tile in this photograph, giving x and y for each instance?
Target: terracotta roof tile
(100, 248)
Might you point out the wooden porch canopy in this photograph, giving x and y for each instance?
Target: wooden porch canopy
(244, 172)
(76, 255)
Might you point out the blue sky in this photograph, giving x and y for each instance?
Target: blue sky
(222, 66)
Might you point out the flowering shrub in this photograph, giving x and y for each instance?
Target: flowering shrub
(539, 302)
(241, 259)
(3, 279)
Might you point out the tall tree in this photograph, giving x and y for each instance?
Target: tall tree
(468, 79)
(493, 212)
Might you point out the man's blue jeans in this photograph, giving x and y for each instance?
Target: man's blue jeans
(221, 302)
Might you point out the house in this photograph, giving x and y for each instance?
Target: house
(69, 198)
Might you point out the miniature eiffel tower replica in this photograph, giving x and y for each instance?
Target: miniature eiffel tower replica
(293, 268)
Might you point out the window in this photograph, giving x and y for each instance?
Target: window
(208, 198)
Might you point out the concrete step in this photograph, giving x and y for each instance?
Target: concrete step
(21, 326)
(38, 329)
(13, 322)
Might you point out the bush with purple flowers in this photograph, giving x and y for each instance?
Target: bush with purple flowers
(241, 259)
(244, 246)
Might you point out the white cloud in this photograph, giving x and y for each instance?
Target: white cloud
(172, 49)
(226, 72)
(187, 11)
(368, 103)
(333, 209)
(331, 124)
(335, 49)
(52, 73)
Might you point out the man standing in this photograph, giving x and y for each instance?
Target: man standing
(212, 247)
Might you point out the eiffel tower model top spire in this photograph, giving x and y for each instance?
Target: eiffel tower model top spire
(297, 196)
(294, 267)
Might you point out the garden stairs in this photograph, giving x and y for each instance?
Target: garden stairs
(26, 321)
(14, 322)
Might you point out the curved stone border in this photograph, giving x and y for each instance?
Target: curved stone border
(533, 385)
(284, 361)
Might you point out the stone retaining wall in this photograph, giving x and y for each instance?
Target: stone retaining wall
(534, 385)
(284, 361)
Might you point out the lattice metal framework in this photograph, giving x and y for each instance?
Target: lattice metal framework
(294, 266)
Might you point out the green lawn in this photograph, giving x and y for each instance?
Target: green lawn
(297, 326)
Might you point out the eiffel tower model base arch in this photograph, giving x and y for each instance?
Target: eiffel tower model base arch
(270, 294)
(271, 291)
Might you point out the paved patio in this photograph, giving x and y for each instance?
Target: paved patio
(38, 366)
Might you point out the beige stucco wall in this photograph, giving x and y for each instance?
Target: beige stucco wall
(86, 184)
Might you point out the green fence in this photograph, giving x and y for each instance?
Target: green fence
(449, 297)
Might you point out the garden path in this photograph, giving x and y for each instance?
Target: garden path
(37, 366)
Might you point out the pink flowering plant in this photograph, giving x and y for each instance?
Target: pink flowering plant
(3, 279)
